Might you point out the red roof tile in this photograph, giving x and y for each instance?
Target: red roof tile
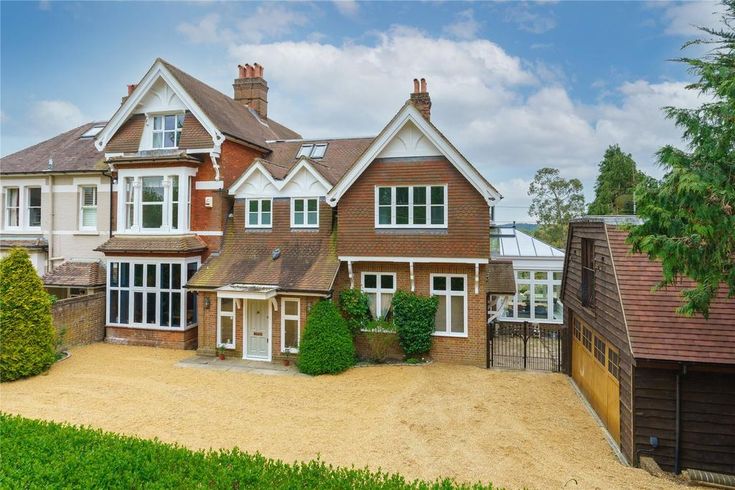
(656, 331)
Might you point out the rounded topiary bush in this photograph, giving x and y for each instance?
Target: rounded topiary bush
(414, 316)
(26, 332)
(327, 346)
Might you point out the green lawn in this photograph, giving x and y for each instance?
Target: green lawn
(37, 454)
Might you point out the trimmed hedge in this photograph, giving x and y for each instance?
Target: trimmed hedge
(27, 337)
(414, 317)
(356, 309)
(327, 346)
(39, 454)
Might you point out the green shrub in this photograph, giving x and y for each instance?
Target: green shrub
(380, 335)
(327, 346)
(37, 454)
(414, 316)
(356, 309)
(27, 345)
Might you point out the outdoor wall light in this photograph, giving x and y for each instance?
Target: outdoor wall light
(653, 441)
(206, 303)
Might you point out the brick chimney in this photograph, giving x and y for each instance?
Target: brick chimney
(251, 88)
(420, 98)
(131, 87)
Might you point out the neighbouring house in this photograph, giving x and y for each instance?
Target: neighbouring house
(663, 384)
(174, 147)
(537, 267)
(401, 210)
(55, 203)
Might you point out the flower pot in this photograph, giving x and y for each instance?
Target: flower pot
(286, 362)
(221, 357)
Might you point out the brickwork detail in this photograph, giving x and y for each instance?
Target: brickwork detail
(169, 339)
(80, 320)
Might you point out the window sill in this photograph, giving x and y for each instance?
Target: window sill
(23, 231)
(289, 351)
(86, 233)
(304, 228)
(455, 335)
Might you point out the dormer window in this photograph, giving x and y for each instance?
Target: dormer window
(167, 130)
(312, 150)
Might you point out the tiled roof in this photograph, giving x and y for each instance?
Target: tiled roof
(24, 242)
(656, 331)
(307, 262)
(500, 278)
(77, 274)
(152, 244)
(340, 155)
(69, 152)
(228, 115)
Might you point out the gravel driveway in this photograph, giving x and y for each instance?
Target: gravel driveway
(514, 429)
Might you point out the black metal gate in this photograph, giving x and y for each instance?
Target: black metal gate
(525, 346)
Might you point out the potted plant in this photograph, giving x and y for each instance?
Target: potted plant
(221, 352)
(287, 357)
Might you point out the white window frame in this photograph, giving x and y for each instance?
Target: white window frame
(162, 131)
(183, 174)
(378, 290)
(285, 317)
(550, 282)
(156, 289)
(260, 212)
(309, 150)
(428, 205)
(233, 315)
(18, 207)
(306, 212)
(27, 207)
(83, 207)
(449, 293)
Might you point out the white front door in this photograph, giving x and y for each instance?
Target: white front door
(257, 330)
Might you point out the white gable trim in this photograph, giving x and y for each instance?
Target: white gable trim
(410, 113)
(156, 72)
(237, 188)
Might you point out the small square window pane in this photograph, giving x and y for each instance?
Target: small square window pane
(157, 140)
(265, 219)
(169, 123)
(265, 206)
(384, 196)
(557, 276)
(540, 275)
(440, 283)
(291, 308)
(298, 218)
(401, 195)
(252, 218)
(299, 205)
(457, 284)
(89, 217)
(311, 204)
(437, 195)
(253, 206)
(305, 150)
(318, 151)
(401, 215)
(419, 195)
(227, 304)
(89, 196)
(157, 121)
(34, 196)
(384, 215)
(437, 215)
(169, 139)
(419, 215)
(312, 218)
(524, 275)
(371, 281)
(386, 281)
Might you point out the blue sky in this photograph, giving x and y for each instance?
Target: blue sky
(517, 86)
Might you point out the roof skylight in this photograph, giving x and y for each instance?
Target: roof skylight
(92, 132)
(312, 150)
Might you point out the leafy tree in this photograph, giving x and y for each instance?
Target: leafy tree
(555, 201)
(26, 333)
(689, 215)
(615, 183)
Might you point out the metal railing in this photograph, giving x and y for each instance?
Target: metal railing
(525, 346)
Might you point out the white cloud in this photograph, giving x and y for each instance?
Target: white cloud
(269, 21)
(350, 8)
(464, 26)
(683, 18)
(528, 19)
(206, 30)
(50, 117)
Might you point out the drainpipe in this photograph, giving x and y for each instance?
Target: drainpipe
(49, 263)
(677, 440)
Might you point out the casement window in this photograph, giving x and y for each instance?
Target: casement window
(587, 338)
(151, 294)
(600, 348)
(379, 289)
(536, 298)
(451, 315)
(226, 322)
(411, 207)
(613, 362)
(311, 150)
(12, 207)
(33, 207)
(305, 212)
(88, 208)
(577, 330)
(290, 325)
(155, 202)
(167, 130)
(259, 214)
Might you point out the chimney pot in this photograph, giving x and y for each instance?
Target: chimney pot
(241, 71)
(415, 85)
(131, 87)
(251, 89)
(420, 98)
(423, 85)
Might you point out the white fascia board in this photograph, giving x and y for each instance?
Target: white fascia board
(156, 71)
(416, 260)
(410, 113)
(279, 184)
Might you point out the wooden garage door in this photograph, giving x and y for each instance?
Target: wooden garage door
(596, 369)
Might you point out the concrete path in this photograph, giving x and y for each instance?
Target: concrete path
(239, 366)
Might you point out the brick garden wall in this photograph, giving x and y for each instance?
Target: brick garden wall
(81, 319)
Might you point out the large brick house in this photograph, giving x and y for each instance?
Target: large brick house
(403, 210)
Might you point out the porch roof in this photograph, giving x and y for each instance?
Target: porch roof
(247, 291)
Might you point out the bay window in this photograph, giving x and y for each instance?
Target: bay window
(259, 213)
(305, 212)
(149, 293)
(155, 201)
(226, 322)
(12, 207)
(451, 314)
(379, 289)
(411, 207)
(167, 130)
(88, 208)
(536, 299)
(290, 325)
